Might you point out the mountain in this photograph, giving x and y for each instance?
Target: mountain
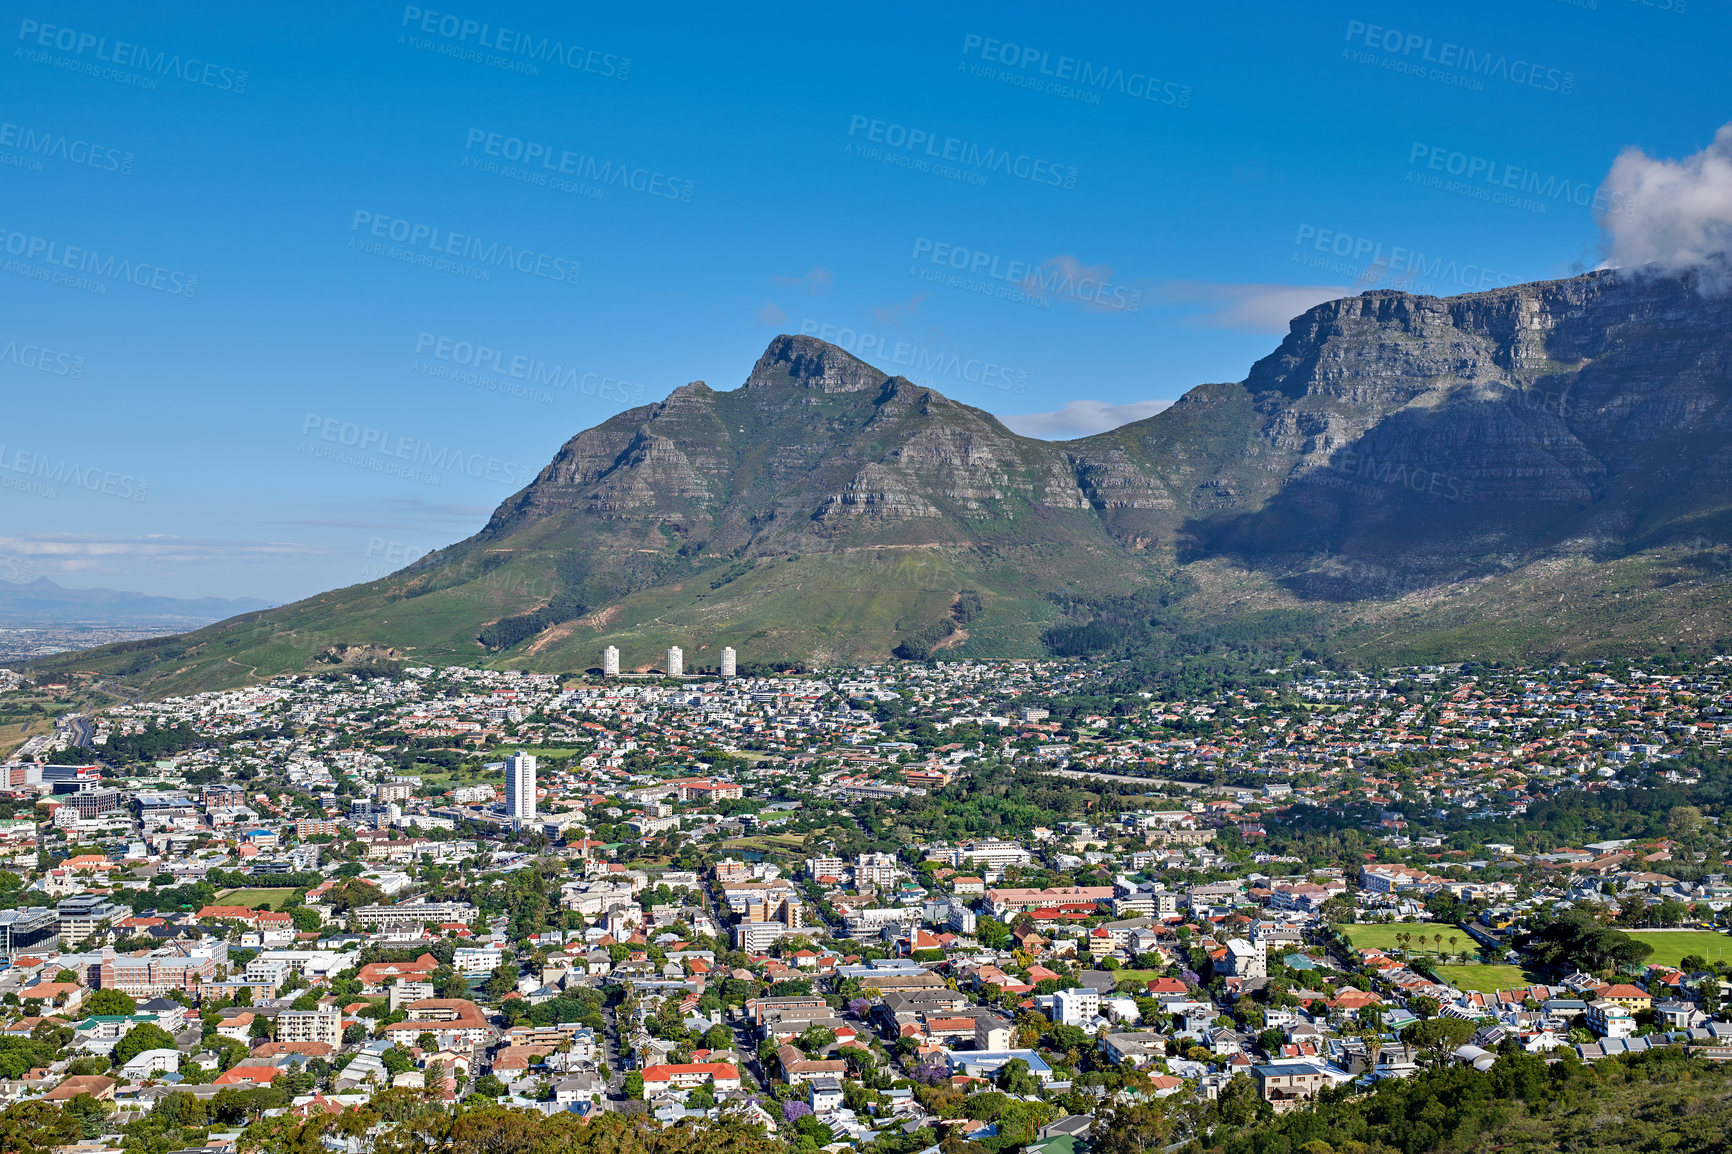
(41, 602)
(1536, 470)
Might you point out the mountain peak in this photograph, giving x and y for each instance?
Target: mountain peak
(808, 362)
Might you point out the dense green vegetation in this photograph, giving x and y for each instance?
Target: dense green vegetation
(509, 631)
(1660, 1100)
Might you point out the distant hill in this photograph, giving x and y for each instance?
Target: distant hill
(42, 602)
(1538, 470)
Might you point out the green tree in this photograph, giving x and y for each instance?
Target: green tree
(142, 1037)
(1014, 1078)
(992, 933)
(1137, 1128)
(1441, 1036)
(109, 1002)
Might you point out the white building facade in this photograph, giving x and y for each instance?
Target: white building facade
(520, 786)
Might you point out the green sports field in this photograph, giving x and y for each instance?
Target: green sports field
(1140, 977)
(1384, 937)
(1484, 979)
(254, 899)
(1671, 945)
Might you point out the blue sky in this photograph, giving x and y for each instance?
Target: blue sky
(318, 290)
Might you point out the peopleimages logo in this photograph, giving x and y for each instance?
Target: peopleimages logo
(424, 243)
(523, 48)
(1360, 254)
(44, 471)
(1072, 77)
(1515, 185)
(37, 144)
(122, 55)
(41, 359)
(1038, 279)
(484, 361)
(553, 161)
(918, 358)
(44, 258)
(931, 146)
(1409, 53)
(383, 452)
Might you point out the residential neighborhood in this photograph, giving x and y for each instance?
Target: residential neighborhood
(837, 906)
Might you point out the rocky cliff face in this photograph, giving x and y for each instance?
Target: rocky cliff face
(1446, 435)
(817, 451)
(1442, 435)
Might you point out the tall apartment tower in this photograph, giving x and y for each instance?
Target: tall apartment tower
(728, 665)
(676, 661)
(520, 786)
(610, 661)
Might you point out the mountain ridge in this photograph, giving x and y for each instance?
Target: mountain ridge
(1401, 467)
(41, 601)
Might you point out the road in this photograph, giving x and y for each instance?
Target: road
(610, 1054)
(747, 1048)
(78, 729)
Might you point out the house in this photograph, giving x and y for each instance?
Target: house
(1625, 995)
(1286, 1085)
(1076, 1007)
(1350, 1001)
(1245, 960)
(149, 1063)
(1610, 1020)
(377, 975)
(54, 995)
(987, 1063)
(1677, 1015)
(1075, 1126)
(238, 1027)
(690, 1075)
(98, 1087)
(797, 1068)
(455, 1023)
(1136, 1048)
(824, 1095)
(1393, 1061)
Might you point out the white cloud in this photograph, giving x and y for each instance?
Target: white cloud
(814, 284)
(1080, 419)
(68, 552)
(895, 313)
(1675, 214)
(1089, 285)
(1249, 308)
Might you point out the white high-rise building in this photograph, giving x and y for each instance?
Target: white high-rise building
(520, 786)
(676, 661)
(727, 661)
(610, 661)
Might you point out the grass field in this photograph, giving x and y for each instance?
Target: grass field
(1484, 979)
(254, 899)
(1671, 945)
(1140, 977)
(1383, 937)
